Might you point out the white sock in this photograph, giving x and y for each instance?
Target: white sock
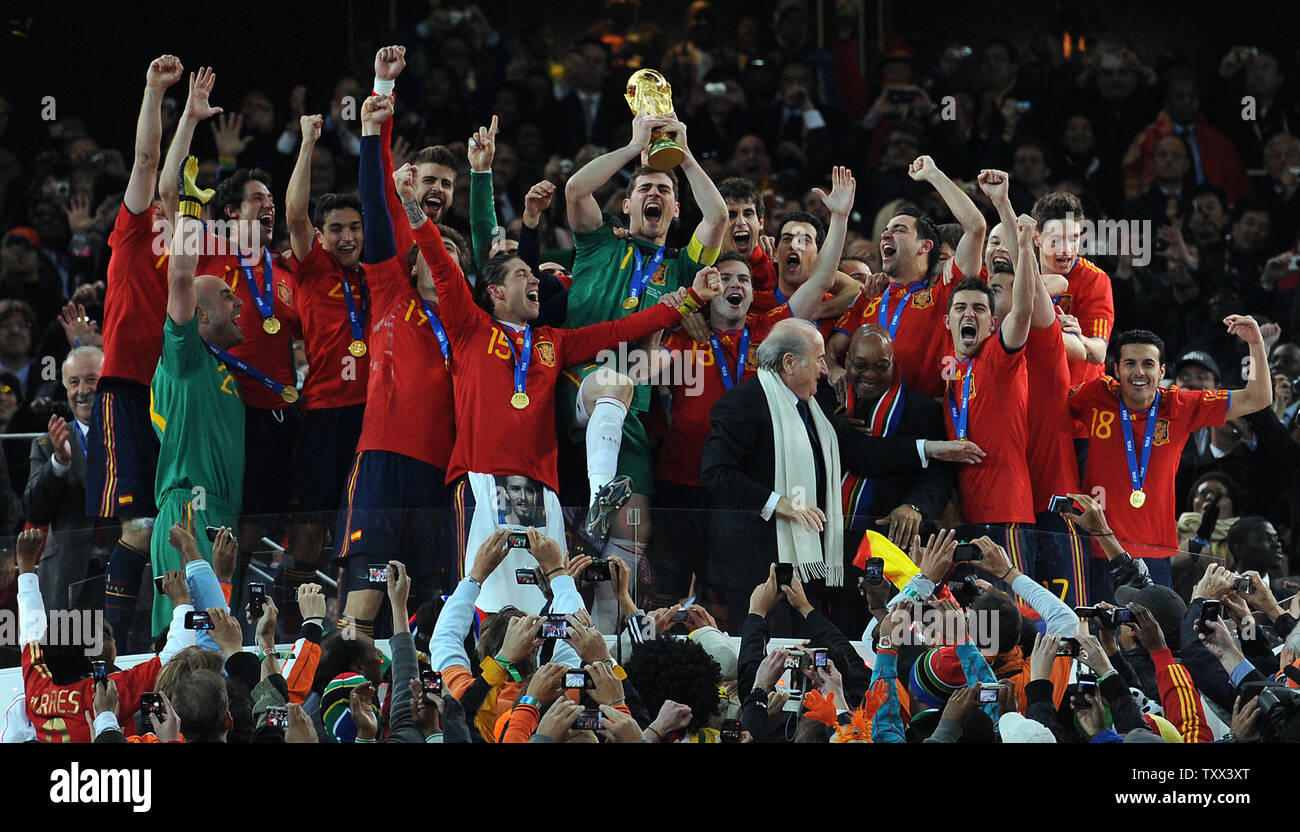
(604, 438)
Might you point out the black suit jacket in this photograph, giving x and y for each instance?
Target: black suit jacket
(569, 127)
(927, 489)
(60, 502)
(738, 467)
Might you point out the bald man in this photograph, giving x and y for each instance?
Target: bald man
(196, 409)
(879, 403)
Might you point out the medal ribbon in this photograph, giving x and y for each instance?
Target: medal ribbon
(355, 321)
(441, 334)
(1138, 475)
(246, 368)
(522, 358)
(884, 319)
(641, 274)
(885, 416)
(264, 298)
(720, 358)
(959, 417)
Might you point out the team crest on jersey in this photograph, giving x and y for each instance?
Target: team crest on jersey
(923, 299)
(1064, 302)
(1162, 432)
(282, 292)
(660, 275)
(546, 352)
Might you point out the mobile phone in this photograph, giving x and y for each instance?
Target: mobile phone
(378, 573)
(679, 615)
(597, 571)
(784, 574)
(967, 552)
(517, 540)
(578, 680)
(195, 620)
(1240, 583)
(588, 720)
(431, 681)
(900, 96)
(875, 571)
(819, 656)
(151, 703)
(526, 576)
(157, 582)
(555, 626)
(989, 691)
(1210, 611)
(1068, 647)
(1023, 107)
(1059, 505)
(256, 598)
(277, 716)
(99, 671)
(731, 730)
(794, 658)
(715, 89)
(1121, 615)
(213, 531)
(1087, 683)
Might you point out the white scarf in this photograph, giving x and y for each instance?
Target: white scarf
(816, 556)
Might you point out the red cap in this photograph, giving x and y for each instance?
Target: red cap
(27, 233)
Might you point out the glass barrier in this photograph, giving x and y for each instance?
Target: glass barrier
(662, 559)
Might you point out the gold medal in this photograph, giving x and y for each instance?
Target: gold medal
(289, 394)
(271, 325)
(631, 303)
(519, 401)
(357, 348)
(1137, 498)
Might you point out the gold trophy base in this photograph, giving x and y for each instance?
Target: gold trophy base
(665, 154)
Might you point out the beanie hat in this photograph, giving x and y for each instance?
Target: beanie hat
(936, 675)
(1165, 604)
(1015, 728)
(335, 708)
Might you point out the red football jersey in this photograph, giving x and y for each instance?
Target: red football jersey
(1053, 466)
(762, 273)
(272, 354)
(409, 404)
(1088, 298)
(922, 340)
(58, 712)
(688, 418)
(503, 439)
(998, 489)
(1149, 531)
(326, 328)
(135, 303)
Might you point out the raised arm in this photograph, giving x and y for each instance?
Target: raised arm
(582, 208)
(1015, 329)
(298, 196)
(807, 298)
(1258, 393)
(163, 72)
(380, 243)
(181, 268)
(707, 197)
(970, 249)
(482, 149)
(196, 109)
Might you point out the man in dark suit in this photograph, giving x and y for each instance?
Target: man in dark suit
(593, 110)
(56, 487)
(877, 403)
(1168, 196)
(738, 467)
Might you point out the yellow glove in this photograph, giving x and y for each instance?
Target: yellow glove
(193, 198)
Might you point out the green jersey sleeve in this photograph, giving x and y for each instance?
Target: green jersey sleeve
(183, 351)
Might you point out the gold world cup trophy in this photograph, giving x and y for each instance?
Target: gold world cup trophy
(648, 89)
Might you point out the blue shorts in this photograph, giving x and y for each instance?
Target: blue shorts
(1058, 558)
(327, 443)
(268, 458)
(396, 507)
(121, 452)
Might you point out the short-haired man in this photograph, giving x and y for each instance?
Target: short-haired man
(909, 308)
(1136, 432)
(614, 273)
(196, 406)
(56, 486)
(745, 229)
(728, 358)
(1088, 297)
(799, 241)
(237, 250)
(121, 458)
(499, 352)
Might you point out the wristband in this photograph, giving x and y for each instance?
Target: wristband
(553, 571)
(474, 581)
(508, 668)
(360, 741)
(382, 87)
(616, 669)
(1005, 574)
(529, 700)
(688, 307)
(658, 736)
(227, 161)
(1202, 542)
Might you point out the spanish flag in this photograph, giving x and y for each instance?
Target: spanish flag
(899, 568)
